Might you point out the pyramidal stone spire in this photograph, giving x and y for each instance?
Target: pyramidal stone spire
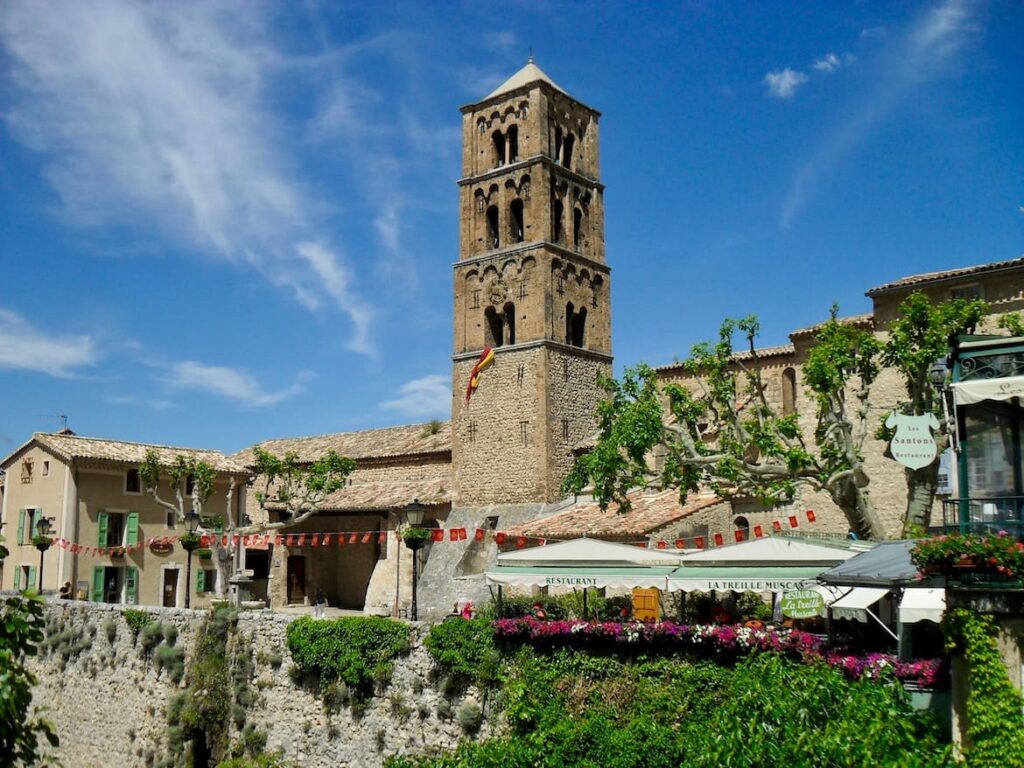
(530, 73)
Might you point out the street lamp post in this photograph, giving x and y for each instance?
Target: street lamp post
(42, 542)
(414, 516)
(190, 543)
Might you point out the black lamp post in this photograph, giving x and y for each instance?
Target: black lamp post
(42, 542)
(414, 516)
(190, 543)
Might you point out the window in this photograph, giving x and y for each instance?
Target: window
(516, 216)
(492, 227)
(172, 520)
(132, 482)
(575, 325)
(557, 154)
(206, 581)
(26, 471)
(499, 148)
(577, 226)
(27, 519)
(510, 322)
(968, 292)
(556, 221)
(117, 529)
(788, 391)
(495, 327)
(46, 467)
(567, 148)
(512, 143)
(190, 484)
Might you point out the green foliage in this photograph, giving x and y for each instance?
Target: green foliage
(296, 486)
(1013, 323)
(990, 553)
(110, 629)
(470, 717)
(994, 734)
(464, 649)
(23, 732)
(171, 659)
(137, 620)
(151, 636)
(178, 472)
(358, 651)
(569, 708)
(414, 533)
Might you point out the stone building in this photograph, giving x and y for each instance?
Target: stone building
(91, 493)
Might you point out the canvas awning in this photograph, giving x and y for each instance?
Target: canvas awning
(589, 552)
(855, 603)
(976, 391)
(756, 578)
(579, 577)
(922, 605)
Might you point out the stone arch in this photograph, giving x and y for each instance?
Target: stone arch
(512, 143)
(509, 317)
(493, 236)
(568, 146)
(557, 220)
(494, 328)
(498, 140)
(577, 226)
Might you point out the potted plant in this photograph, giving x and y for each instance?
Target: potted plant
(414, 536)
(994, 554)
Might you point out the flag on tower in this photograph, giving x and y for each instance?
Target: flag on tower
(486, 358)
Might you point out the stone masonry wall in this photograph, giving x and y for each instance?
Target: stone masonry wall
(109, 702)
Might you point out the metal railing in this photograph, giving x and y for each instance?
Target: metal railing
(983, 514)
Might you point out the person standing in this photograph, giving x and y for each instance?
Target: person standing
(320, 603)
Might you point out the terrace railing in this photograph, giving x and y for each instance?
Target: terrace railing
(981, 515)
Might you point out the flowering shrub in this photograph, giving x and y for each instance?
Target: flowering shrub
(717, 638)
(999, 553)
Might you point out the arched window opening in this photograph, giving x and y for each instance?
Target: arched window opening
(577, 225)
(788, 391)
(558, 145)
(492, 226)
(512, 143)
(510, 322)
(569, 312)
(516, 211)
(742, 524)
(499, 148)
(579, 327)
(567, 147)
(556, 221)
(495, 327)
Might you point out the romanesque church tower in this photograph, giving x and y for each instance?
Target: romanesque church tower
(532, 283)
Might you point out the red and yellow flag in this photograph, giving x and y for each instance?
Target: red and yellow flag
(486, 358)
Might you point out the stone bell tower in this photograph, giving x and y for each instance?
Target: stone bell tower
(532, 283)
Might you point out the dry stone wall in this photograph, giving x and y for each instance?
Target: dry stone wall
(109, 700)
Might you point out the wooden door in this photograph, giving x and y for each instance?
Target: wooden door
(296, 578)
(171, 588)
(646, 604)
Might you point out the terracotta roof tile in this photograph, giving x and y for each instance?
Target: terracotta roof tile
(866, 320)
(762, 352)
(432, 488)
(948, 274)
(76, 447)
(650, 511)
(405, 440)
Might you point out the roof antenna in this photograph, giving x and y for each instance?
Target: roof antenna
(530, 59)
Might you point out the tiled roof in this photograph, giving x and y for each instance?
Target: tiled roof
(76, 447)
(649, 512)
(866, 320)
(948, 274)
(389, 494)
(530, 73)
(762, 352)
(405, 440)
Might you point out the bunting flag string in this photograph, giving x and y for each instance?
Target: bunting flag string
(437, 535)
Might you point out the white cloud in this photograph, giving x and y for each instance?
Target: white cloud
(828, 63)
(232, 383)
(429, 396)
(783, 83)
(154, 115)
(26, 348)
(911, 60)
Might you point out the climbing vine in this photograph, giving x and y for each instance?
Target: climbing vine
(994, 729)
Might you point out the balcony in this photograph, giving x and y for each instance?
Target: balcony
(981, 515)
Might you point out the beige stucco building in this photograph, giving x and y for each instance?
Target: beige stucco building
(91, 493)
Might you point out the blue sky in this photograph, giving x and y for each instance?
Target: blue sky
(224, 222)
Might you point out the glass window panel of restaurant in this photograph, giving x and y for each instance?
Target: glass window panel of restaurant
(992, 434)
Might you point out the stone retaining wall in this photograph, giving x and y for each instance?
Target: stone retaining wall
(109, 701)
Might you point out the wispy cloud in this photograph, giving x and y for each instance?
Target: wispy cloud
(913, 59)
(784, 83)
(26, 348)
(156, 404)
(422, 398)
(231, 383)
(157, 115)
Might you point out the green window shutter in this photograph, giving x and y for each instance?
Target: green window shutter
(200, 581)
(133, 529)
(131, 586)
(102, 519)
(17, 578)
(32, 578)
(21, 526)
(97, 584)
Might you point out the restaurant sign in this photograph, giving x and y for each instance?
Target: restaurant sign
(802, 604)
(913, 445)
(571, 581)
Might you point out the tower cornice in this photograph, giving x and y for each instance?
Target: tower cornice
(533, 245)
(528, 162)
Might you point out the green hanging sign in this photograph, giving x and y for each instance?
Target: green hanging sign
(802, 604)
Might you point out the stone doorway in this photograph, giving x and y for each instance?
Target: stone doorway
(296, 579)
(170, 588)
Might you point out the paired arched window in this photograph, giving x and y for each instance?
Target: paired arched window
(499, 148)
(577, 226)
(512, 144)
(567, 147)
(500, 326)
(575, 325)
